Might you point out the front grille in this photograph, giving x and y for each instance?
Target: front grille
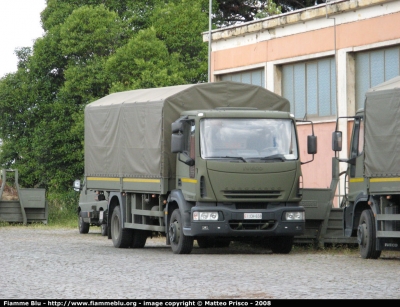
(248, 205)
(203, 191)
(248, 194)
(251, 225)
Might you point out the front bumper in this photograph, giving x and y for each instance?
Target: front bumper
(233, 223)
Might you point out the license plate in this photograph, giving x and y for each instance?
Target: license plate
(253, 216)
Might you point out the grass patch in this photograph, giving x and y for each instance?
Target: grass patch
(63, 209)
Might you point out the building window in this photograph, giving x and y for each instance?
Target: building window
(255, 77)
(374, 67)
(310, 87)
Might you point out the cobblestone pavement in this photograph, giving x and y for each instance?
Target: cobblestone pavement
(47, 263)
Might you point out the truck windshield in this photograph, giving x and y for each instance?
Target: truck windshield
(244, 139)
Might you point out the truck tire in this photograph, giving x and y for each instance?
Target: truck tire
(180, 244)
(281, 245)
(103, 228)
(366, 236)
(121, 238)
(139, 238)
(83, 226)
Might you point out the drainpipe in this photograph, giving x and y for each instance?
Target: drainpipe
(336, 73)
(209, 40)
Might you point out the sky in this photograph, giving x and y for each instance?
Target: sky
(19, 26)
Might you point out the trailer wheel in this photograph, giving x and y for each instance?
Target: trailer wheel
(83, 226)
(281, 245)
(139, 238)
(103, 228)
(180, 244)
(366, 236)
(121, 238)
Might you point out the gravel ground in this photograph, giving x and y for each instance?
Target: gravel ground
(49, 263)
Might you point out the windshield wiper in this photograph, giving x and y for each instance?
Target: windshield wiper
(228, 157)
(279, 157)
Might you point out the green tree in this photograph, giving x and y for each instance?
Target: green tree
(231, 12)
(144, 62)
(180, 25)
(92, 48)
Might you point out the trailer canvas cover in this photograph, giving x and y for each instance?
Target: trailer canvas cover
(128, 134)
(382, 130)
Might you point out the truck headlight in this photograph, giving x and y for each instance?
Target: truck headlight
(205, 216)
(294, 216)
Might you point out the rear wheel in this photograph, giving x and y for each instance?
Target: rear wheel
(281, 245)
(180, 244)
(103, 228)
(83, 226)
(139, 238)
(121, 238)
(366, 236)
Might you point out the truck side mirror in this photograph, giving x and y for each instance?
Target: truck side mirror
(177, 143)
(77, 185)
(177, 126)
(337, 141)
(311, 144)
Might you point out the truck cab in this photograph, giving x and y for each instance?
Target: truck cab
(238, 175)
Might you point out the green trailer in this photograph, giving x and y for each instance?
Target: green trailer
(30, 207)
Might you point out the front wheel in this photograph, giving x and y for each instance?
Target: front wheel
(180, 244)
(366, 236)
(121, 238)
(281, 245)
(83, 226)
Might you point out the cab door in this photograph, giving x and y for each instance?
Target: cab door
(356, 182)
(186, 162)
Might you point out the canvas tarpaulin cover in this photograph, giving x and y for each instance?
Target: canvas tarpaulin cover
(382, 130)
(128, 134)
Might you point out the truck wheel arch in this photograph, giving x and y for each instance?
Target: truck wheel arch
(115, 200)
(176, 200)
(359, 206)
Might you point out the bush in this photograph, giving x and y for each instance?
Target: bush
(63, 208)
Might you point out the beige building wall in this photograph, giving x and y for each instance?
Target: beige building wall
(339, 29)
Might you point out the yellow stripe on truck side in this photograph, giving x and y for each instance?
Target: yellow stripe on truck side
(356, 179)
(102, 179)
(392, 179)
(143, 180)
(188, 180)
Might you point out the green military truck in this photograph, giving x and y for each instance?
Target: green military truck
(371, 207)
(369, 213)
(212, 162)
